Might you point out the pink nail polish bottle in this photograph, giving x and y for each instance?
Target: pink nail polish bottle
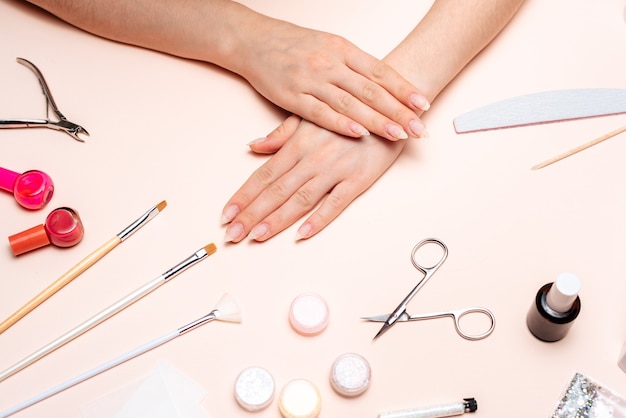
(32, 189)
(63, 228)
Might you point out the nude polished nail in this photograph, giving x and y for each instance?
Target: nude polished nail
(229, 213)
(234, 232)
(259, 231)
(419, 101)
(396, 132)
(418, 128)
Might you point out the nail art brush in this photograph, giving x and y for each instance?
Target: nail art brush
(226, 310)
(580, 148)
(82, 265)
(110, 311)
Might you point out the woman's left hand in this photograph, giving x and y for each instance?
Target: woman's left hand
(310, 165)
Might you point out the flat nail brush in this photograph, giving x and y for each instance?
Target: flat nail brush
(110, 311)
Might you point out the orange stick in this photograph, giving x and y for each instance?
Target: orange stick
(579, 148)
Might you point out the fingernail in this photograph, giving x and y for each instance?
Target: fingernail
(258, 141)
(259, 231)
(358, 129)
(234, 233)
(419, 101)
(396, 131)
(229, 213)
(418, 128)
(304, 231)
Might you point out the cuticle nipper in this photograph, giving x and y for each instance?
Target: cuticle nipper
(62, 124)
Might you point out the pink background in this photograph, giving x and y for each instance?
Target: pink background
(164, 128)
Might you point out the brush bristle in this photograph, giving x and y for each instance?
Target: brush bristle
(228, 309)
(161, 205)
(210, 249)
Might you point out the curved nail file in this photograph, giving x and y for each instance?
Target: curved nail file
(544, 107)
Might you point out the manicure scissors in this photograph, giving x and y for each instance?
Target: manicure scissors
(62, 124)
(400, 314)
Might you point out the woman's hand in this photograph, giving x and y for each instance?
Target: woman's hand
(311, 165)
(329, 81)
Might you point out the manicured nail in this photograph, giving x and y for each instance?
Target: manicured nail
(259, 231)
(304, 232)
(419, 101)
(257, 141)
(418, 128)
(358, 129)
(396, 132)
(229, 213)
(234, 233)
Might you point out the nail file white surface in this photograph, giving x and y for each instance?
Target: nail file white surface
(543, 107)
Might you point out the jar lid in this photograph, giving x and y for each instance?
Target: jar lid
(309, 314)
(350, 374)
(254, 389)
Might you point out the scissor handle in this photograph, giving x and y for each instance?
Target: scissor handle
(460, 313)
(428, 270)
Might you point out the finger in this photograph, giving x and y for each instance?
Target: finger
(301, 201)
(254, 185)
(277, 138)
(375, 107)
(273, 197)
(386, 76)
(372, 106)
(340, 118)
(321, 114)
(331, 207)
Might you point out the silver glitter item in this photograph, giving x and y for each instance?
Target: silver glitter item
(585, 398)
(254, 389)
(350, 375)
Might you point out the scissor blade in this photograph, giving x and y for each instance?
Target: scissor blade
(384, 317)
(376, 318)
(382, 330)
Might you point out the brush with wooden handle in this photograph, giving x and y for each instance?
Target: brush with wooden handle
(83, 265)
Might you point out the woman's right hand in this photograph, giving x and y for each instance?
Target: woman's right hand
(327, 80)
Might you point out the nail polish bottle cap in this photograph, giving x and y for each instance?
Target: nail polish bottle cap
(350, 375)
(62, 227)
(33, 189)
(309, 314)
(563, 292)
(28, 240)
(254, 389)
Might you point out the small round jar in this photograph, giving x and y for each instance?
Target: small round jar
(309, 314)
(350, 375)
(300, 399)
(254, 389)
(62, 228)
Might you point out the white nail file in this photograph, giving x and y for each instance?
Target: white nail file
(544, 107)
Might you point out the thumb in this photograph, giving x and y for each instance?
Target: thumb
(277, 138)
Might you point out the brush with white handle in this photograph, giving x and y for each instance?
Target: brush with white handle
(226, 310)
(110, 311)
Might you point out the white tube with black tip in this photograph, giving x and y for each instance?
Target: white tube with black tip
(438, 411)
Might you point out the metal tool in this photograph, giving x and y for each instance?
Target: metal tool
(62, 124)
(543, 107)
(400, 314)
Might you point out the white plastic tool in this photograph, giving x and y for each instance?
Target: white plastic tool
(543, 107)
